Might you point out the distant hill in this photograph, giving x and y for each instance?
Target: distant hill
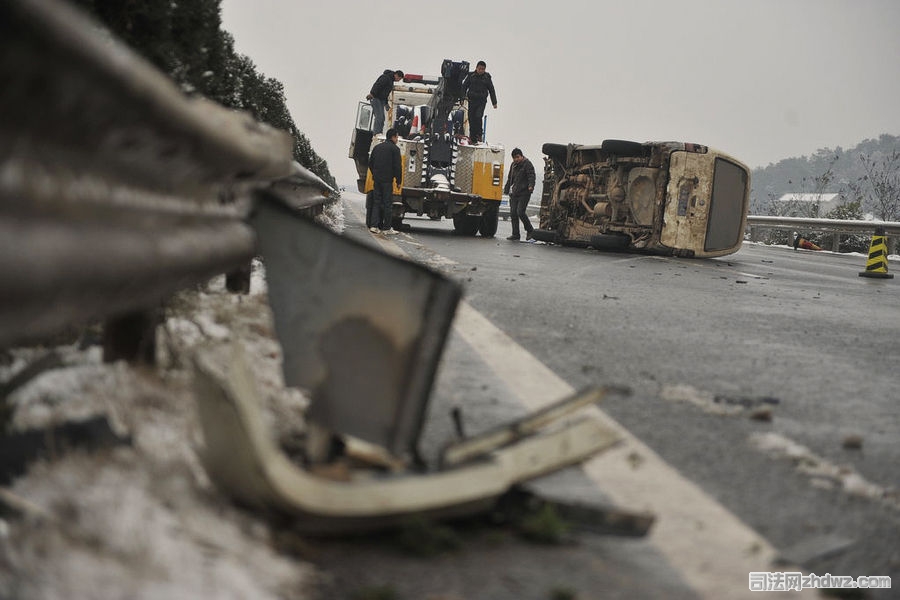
(827, 171)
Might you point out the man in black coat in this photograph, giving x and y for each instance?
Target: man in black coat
(379, 93)
(477, 87)
(386, 167)
(519, 185)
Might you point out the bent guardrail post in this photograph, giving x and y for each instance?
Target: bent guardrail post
(115, 188)
(363, 331)
(303, 192)
(354, 323)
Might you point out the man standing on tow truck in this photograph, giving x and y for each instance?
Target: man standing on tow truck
(386, 166)
(519, 185)
(477, 87)
(378, 96)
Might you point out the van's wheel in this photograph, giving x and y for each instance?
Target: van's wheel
(623, 147)
(557, 152)
(610, 241)
(545, 235)
(487, 223)
(465, 224)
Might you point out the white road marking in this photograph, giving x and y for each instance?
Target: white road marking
(712, 549)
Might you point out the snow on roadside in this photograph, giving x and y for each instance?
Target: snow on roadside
(143, 520)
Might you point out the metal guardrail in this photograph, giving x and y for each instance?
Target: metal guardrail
(828, 225)
(116, 189)
(837, 227)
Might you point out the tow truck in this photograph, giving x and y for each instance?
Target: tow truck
(444, 175)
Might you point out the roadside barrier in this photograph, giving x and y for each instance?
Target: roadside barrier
(117, 189)
(836, 227)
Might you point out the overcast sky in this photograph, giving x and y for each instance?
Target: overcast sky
(759, 79)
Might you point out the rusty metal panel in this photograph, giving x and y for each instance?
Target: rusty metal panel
(361, 330)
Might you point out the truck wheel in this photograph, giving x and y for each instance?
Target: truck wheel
(465, 224)
(487, 223)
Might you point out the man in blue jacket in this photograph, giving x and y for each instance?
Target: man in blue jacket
(387, 167)
(379, 93)
(477, 87)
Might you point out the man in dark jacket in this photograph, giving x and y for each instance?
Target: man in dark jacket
(386, 166)
(477, 87)
(519, 185)
(379, 93)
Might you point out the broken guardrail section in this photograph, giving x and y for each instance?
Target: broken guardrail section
(363, 332)
(116, 190)
(242, 458)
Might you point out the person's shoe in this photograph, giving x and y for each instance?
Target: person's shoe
(374, 229)
(529, 235)
(391, 231)
(513, 238)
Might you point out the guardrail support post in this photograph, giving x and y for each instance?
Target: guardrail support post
(131, 337)
(238, 281)
(754, 234)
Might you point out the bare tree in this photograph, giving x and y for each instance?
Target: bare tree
(879, 188)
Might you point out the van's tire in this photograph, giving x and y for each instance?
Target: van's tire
(623, 148)
(487, 223)
(557, 152)
(465, 224)
(610, 241)
(545, 235)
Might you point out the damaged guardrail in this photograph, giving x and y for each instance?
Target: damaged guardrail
(116, 190)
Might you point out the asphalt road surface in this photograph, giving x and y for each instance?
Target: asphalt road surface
(762, 426)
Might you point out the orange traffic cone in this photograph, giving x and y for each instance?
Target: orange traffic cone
(802, 242)
(877, 265)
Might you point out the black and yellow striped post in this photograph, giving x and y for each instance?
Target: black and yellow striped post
(877, 265)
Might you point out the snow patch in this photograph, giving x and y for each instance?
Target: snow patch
(143, 520)
(822, 473)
